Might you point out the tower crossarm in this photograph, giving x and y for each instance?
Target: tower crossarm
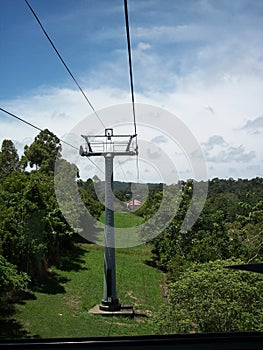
(109, 143)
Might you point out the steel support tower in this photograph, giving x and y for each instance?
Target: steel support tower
(109, 146)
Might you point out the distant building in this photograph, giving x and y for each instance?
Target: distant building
(133, 204)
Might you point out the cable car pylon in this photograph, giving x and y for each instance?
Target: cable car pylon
(109, 146)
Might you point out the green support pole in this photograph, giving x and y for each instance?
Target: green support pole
(110, 301)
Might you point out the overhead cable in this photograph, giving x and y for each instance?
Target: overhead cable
(131, 81)
(22, 120)
(130, 62)
(63, 62)
(38, 128)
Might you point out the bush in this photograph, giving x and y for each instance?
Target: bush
(10, 279)
(209, 298)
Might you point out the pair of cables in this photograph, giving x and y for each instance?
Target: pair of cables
(79, 87)
(85, 96)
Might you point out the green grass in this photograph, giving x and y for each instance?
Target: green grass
(60, 306)
(123, 219)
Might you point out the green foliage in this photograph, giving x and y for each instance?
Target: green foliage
(123, 195)
(203, 297)
(56, 232)
(90, 198)
(21, 222)
(151, 205)
(43, 152)
(227, 227)
(209, 298)
(9, 160)
(10, 279)
(158, 210)
(33, 231)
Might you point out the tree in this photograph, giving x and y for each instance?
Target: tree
(230, 225)
(43, 152)
(9, 159)
(33, 231)
(10, 279)
(209, 298)
(90, 198)
(22, 213)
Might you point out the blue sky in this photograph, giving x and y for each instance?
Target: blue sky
(201, 60)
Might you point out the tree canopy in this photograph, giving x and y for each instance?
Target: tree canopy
(43, 152)
(202, 295)
(33, 232)
(210, 298)
(9, 159)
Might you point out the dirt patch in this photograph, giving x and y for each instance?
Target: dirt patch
(130, 294)
(165, 286)
(73, 301)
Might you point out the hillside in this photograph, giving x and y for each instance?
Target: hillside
(59, 306)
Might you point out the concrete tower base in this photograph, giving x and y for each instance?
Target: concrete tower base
(125, 310)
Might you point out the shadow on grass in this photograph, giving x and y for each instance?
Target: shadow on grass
(12, 329)
(22, 296)
(50, 284)
(94, 234)
(9, 327)
(151, 263)
(72, 259)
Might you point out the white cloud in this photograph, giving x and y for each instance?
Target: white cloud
(213, 141)
(170, 34)
(221, 132)
(254, 126)
(206, 67)
(159, 139)
(232, 154)
(142, 46)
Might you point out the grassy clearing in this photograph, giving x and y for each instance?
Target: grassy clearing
(124, 220)
(59, 308)
(126, 229)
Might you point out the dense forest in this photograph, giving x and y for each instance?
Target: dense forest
(201, 294)
(33, 232)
